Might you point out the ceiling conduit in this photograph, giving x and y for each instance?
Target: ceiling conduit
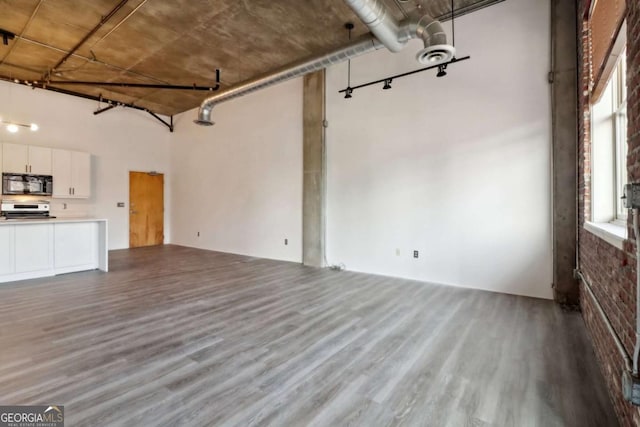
(385, 32)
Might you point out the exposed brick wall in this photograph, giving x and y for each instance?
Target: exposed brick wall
(611, 272)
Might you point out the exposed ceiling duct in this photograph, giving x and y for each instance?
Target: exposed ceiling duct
(375, 15)
(355, 48)
(386, 32)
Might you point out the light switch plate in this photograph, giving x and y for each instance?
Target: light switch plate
(121, 204)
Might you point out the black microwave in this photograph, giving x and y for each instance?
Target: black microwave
(35, 185)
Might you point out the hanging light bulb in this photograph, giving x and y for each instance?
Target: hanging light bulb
(13, 128)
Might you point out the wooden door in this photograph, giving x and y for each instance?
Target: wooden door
(146, 209)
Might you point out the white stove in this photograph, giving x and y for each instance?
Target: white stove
(25, 209)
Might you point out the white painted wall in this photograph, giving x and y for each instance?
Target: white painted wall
(120, 140)
(239, 183)
(457, 168)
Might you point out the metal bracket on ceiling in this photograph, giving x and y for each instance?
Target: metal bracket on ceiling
(102, 110)
(161, 120)
(6, 36)
(139, 85)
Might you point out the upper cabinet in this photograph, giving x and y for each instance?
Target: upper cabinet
(71, 174)
(40, 161)
(18, 158)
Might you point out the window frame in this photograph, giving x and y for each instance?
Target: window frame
(617, 214)
(620, 124)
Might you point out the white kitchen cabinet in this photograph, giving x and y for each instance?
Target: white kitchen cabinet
(71, 174)
(7, 260)
(18, 158)
(15, 158)
(76, 245)
(81, 174)
(39, 160)
(33, 248)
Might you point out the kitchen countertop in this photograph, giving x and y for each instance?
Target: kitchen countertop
(19, 221)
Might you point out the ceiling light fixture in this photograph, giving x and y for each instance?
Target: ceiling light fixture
(14, 127)
(387, 84)
(442, 70)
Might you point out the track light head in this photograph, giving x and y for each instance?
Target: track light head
(387, 84)
(441, 71)
(348, 93)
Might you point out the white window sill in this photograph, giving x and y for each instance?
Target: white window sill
(613, 234)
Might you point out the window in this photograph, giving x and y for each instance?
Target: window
(609, 149)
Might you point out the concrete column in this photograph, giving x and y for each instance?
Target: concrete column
(313, 211)
(565, 142)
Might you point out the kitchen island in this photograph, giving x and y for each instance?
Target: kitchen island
(31, 248)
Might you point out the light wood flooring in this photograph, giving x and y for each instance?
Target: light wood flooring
(175, 336)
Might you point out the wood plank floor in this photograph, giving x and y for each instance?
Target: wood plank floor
(175, 336)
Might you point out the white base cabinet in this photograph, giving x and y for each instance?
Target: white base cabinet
(31, 249)
(76, 246)
(7, 255)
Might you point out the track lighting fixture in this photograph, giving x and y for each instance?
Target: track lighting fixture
(15, 127)
(388, 80)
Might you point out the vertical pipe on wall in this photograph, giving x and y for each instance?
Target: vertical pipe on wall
(636, 350)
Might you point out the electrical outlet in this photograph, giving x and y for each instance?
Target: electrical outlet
(415, 254)
(121, 204)
(286, 242)
(198, 234)
(64, 206)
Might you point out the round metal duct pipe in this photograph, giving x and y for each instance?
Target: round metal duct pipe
(352, 49)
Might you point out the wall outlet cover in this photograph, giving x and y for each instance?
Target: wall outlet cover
(415, 254)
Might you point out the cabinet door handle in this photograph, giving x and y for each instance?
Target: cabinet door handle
(73, 189)
(29, 168)
(26, 168)
(69, 190)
